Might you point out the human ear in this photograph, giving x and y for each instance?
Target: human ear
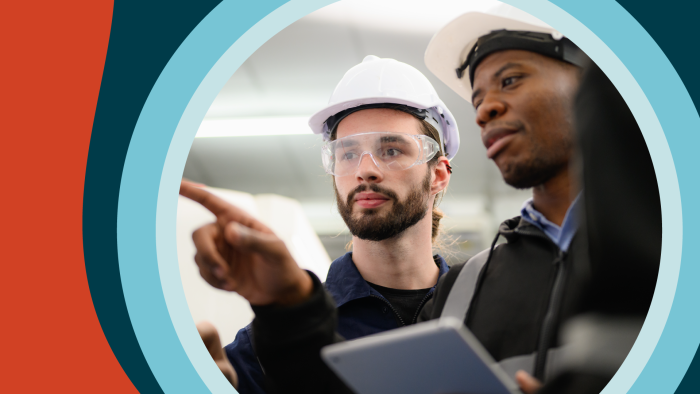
(441, 176)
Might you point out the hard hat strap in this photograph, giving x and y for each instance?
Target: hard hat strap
(429, 115)
(333, 121)
(542, 43)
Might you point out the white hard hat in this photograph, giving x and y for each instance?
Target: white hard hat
(448, 51)
(378, 82)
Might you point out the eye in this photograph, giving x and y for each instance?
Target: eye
(392, 152)
(509, 81)
(348, 156)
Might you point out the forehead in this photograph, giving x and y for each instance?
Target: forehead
(512, 58)
(378, 119)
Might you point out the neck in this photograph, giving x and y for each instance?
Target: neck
(402, 262)
(553, 198)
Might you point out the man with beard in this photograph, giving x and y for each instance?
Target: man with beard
(388, 154)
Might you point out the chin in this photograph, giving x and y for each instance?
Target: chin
(368, 212)
(527, 176)
(508, 175)
(518, 183)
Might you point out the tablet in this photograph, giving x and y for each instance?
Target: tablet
(435, 357)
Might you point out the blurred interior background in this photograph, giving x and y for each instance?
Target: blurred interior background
(254, 139)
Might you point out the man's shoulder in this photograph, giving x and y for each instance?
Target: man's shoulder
(510, 225)
(244, 359)
(344, 282)
(340, 265)
(242, 340)
(447, 281)
(450, 277)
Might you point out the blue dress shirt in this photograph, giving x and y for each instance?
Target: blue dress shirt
(561, 236)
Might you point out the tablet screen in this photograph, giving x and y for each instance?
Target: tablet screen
(439, 356)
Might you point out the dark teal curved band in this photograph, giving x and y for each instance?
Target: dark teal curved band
(143, 37)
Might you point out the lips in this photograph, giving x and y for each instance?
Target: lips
(496, 139)
(370, 200)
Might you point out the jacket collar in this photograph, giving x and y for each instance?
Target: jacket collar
(513, 228)
(345, 283)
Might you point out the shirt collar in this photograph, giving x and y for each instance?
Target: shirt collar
(345, 283)
(561, 236)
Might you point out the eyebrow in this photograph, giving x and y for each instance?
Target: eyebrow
(392, 138)
(497, 74)
(345, 144)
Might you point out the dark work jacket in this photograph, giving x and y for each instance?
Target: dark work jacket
(623, 228)
(361, 311)
(507, 313)
(517, 305)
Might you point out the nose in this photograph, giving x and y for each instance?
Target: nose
(490, 108)
(367, 170)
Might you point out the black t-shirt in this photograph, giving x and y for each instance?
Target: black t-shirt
(405, 303)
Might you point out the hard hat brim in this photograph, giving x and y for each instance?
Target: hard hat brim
(317, 120)
(450, 46)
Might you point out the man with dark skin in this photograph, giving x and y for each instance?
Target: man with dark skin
(521, 77)
(523, 106)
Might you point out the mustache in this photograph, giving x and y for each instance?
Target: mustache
(516, 124)
(373, 187)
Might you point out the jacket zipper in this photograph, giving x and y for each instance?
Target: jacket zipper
(396, 313)
(420, 306)
(550, 318)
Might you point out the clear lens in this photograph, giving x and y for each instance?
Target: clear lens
(388, 150)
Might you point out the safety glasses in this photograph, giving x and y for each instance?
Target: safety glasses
(388, 150)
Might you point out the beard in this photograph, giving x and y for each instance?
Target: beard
(545, 164)
(371, 225)
(532, 173)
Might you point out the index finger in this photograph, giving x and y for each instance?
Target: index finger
(224, 211)
(214, 204)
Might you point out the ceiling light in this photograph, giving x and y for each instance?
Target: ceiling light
(242, 127)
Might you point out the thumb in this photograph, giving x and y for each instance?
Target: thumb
(210, 337)
(255, 241)
(527, 383)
